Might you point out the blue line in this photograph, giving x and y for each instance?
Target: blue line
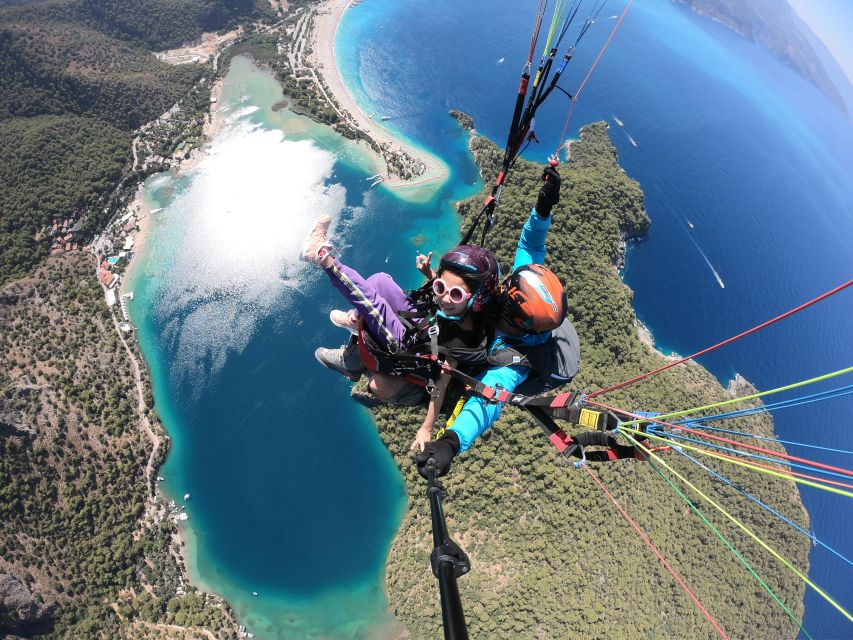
(669, 434)
(784, 404)
(766, 507)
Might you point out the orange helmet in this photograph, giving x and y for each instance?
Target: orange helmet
(534, 299)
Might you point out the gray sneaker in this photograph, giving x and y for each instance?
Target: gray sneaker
(345, 360)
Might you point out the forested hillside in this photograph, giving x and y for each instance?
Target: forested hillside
(85, 549)
(89, 60)
(75, 559)
(551, 557)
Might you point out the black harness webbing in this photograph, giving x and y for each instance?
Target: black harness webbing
(546, 410)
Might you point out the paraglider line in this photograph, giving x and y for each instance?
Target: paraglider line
(659, 555)
(752, 535)
(764, 506)
(805, 305)
(728, 544)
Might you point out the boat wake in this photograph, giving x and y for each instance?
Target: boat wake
(707, 261)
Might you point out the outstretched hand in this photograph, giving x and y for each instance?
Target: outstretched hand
(422, 262)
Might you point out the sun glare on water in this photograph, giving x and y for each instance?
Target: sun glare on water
(242, 219)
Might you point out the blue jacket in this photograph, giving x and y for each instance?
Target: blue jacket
(478, 415)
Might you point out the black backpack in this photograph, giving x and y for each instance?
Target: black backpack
(552, 364)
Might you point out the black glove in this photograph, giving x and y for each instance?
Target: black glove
(441, 452)
(549, 194)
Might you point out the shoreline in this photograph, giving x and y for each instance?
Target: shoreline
(140, 207)
(327, 18)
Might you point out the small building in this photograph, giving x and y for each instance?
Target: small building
(128, 243)
(106, 266)
(129, 226)
(111, 297)
(107, 278)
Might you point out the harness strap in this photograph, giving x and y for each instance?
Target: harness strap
(563, 406)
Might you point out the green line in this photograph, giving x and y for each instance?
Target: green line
(559, 9)
(740, 463)
(726, 542)
(803, 383)
(746, 530)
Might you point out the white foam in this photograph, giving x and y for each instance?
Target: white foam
(245, 111)
(241, 221)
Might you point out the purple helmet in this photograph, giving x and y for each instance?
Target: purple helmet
(477, 266)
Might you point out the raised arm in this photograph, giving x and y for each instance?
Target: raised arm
(531, 244)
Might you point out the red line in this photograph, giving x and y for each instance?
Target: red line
(725, 342)
(681, 427)
(654, 549)
(591, 69)
(786, 472)
(784, 456)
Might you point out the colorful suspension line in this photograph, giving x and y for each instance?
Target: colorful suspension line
(763, 505)
(670, 435)
(767, 323)
(731, 548)
(778, 473)
(817, 483)
(747, 531)
(657, 553)
(784, 456)
(589, 73)
(786, 472)
(782, 404)
(624, 428)
(523, 118)
(761, 394)
(696, 422)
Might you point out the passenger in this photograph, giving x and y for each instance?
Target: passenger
(396, 326)
(530, 306)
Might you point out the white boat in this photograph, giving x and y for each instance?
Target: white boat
(618, 121)
(500, 60)
(186, 496)
(632, 141)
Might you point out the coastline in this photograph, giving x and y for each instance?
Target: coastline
(140, 207)
(327, 18)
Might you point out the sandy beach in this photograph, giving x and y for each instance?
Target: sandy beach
(327, 17)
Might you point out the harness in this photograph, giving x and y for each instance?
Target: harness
(420, 359)
(567, 406)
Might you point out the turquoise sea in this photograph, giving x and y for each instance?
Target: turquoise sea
(293, 494)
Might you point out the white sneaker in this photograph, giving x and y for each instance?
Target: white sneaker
(316, 246)
(345, 320)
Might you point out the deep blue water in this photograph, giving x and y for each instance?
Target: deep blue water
(293, 495)
(728, 139)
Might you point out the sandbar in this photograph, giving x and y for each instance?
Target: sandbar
(327, 17)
